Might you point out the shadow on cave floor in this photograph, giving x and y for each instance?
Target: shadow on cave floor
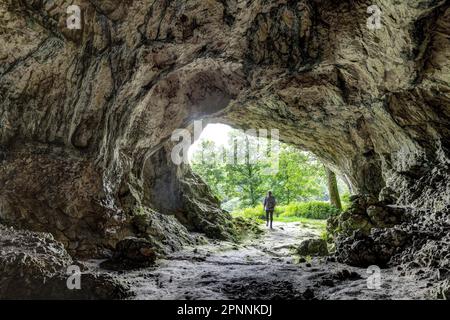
(263, 268)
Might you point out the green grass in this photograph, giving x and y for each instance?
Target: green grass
(310, 209)
(288, 219)
(312, 223)
(319, 224)
(292, 211)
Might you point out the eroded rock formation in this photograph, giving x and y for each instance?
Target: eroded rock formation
(35, 266)
(87, 115)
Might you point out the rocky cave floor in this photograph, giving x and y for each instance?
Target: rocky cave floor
(263, 268)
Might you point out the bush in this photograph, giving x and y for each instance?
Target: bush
(345, 200)
(255, 212)
(311, 210)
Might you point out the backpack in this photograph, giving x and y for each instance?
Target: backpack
(270, 202)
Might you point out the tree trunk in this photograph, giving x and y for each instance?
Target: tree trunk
(333, 189)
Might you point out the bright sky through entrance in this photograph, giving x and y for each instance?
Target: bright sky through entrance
(216, 132)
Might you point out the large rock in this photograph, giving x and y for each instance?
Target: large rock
(159, 229)
(420, 241)
(34, 266)
(365, 213)
(131, 253)
(313, 247)
(376, 248)
(369, 232)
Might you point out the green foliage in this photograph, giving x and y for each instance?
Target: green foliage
(300, 177)
(241, 177)
(213, 174)
(243, 182)
(345, 200)
(244, 175)
(256, 212)
(311, 209)
(313, 223)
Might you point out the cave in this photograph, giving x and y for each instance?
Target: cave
(87, 117)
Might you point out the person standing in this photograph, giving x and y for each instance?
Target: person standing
(269, 206)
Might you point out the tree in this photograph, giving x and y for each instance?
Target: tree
(240, 170)
(333, 190)
(300, 176)
(208, 166)
(244, 174)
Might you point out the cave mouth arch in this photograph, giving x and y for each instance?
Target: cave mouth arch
(87, 116)
(174, 189)
(293, 174)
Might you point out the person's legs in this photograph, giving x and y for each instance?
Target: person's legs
(267, 218)
(271, 218)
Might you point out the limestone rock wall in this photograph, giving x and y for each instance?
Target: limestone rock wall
(35, 266)
(86, 115)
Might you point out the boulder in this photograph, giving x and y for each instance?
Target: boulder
(376, 248)
(388, 196)
(313, 247)
(34, 266)
(365, 213)
(131, 253)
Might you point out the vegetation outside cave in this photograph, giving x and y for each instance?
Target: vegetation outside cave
(301, 184)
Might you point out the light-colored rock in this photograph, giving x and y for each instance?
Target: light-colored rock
(86, 115)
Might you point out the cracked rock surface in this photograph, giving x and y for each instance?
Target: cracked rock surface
(86, 115)
(264, 268)
(34, 266)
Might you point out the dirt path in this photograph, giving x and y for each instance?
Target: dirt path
(263, 269)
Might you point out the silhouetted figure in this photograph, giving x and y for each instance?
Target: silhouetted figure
(269, 206)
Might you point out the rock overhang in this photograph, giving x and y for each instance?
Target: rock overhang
(372, 104)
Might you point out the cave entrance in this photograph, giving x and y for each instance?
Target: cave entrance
(241, 166)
